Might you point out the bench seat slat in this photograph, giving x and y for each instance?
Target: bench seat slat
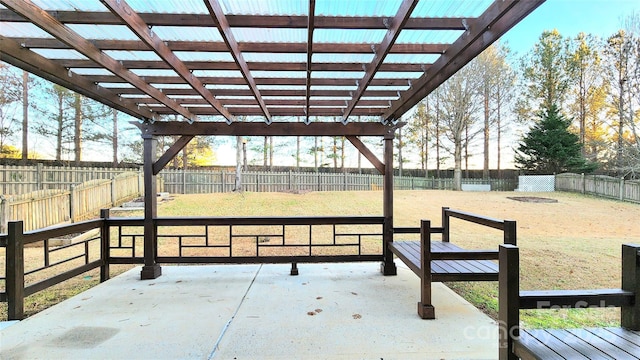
(530, 346)
(629, 335)
(626, 347)
(582, 344)
(448, 270)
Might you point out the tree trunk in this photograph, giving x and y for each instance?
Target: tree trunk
(77, 135)
(60, 127)
(437, 127)
(466, 150)
(270, 153)
(315, 153)
(298, 153)
(25, 115)
(485, 169)
(457, 171)
(335, 152)
(114, 138)
(342, 154)
(499, 132)
(238, 184)
(426, 141)
(400, 152)
(265, 152)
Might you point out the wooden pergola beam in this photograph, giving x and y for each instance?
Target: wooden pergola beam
(279, 111)
(241, 92)
(397, 24)
(171, 153)
(259, 81)
(164, 128)
(309, 64)
(364, 150)
(47, 23)
(266, 66)
(215, 10)
(213, 46)
(142, 30)
(12, 53)
(246, 21)
(482, 32)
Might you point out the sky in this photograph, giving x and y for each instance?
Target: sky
(570, 17)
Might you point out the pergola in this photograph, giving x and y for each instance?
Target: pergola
(216, 62)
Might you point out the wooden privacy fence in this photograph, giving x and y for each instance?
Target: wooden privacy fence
(25, 179)
(206, 181)
(600, 185)
(45, 208)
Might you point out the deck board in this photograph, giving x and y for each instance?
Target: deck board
(445, 270)
(589, 343)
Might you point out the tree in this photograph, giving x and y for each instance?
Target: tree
(587, 71)
(546, 74)
(418, 131)
(10, 95)
(549, 147)
(459, 102)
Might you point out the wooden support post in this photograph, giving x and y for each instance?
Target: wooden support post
(510, 232)
(508, 300)
(105, 248)
(15, 271)
(425, 308)
(151, 269)
(445, 225)
(388, 266)
(630, 315)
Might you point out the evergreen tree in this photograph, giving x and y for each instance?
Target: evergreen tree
(550, 148)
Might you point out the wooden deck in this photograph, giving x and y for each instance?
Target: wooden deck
(589, 343)
(450, 262)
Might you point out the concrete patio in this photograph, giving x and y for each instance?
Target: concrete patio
(329, 311)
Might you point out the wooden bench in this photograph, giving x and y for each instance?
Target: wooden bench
(446, 261)
(587, 343)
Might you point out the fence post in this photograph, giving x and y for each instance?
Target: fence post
(105, 239)
(222, 182)
(290, 188)
(114, 197)
(4, 214)
(72, 206)
(621, 189)
(39, 176)
(15, 271)
(344, 183)
(140, 182)
(184, 179)
(583, 183)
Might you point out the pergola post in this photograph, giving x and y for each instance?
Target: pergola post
(151, 269)
(388, 266)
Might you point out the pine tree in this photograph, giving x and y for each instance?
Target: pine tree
(550, 148)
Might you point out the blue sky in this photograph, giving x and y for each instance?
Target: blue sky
(570, 17)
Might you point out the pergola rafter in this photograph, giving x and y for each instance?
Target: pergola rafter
(145, 32)
(229, 39)
(247, 21)
(15, 54)
(480, 33)
(309, 64)
(43, 20)
(380, 53)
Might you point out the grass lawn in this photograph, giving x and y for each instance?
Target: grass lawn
(572, 244)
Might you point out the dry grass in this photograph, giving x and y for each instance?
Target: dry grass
(572, 244)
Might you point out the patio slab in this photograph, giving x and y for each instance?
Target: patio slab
(329, 311)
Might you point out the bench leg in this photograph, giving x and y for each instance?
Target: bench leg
(294, 269)
(426, 311)
(425, 308)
